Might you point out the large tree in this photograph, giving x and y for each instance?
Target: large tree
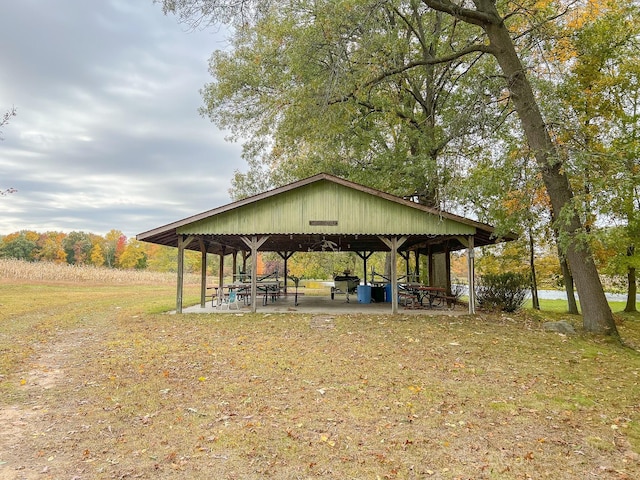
(597, 316)
(497, 34)
(598, 118)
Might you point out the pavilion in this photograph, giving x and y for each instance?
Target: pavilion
(325, 211)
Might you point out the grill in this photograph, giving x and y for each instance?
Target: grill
(344, 284)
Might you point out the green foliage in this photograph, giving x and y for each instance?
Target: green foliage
(162, 259)
(325, 265)
(505, 291)
(50, 247)
(596, 107)
(349, 89)
(19, 246)
(133, 256)
(513, 257)
(111, 240)
(77, 246)
(615, 250)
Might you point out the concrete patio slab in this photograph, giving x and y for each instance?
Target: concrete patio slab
(314, 304)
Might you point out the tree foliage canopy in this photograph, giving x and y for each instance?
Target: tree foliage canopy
(354, 88)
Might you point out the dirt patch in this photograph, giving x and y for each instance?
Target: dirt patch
(18, 423)
(322, 321)
(13, 420)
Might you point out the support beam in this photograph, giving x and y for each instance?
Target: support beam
(286, 256)
(472, 275)
(364, 256)
(203, 272)
(235, 266)
(471, 271)
(394, 243)
(182, 244)
(221, 273)
(254, 243)
(447, 267)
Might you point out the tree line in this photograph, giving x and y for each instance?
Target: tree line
(75, 248)
(113, 250)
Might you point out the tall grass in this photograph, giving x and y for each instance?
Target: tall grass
(12, 269)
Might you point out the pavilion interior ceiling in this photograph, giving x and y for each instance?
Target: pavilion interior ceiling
(227, 244)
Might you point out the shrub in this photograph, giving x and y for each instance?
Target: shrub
(505, 291)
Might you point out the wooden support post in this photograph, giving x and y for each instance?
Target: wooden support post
(447, 268)
(245, 255)
(364, 256)
(471, 273)
(182, 244)
(221, 273)
(430, 270)
(407, 268)
(286, 256)
(254, 243)
(394, 243)
(235, 265)
(394, 275)
(405, 256)
(203, 272)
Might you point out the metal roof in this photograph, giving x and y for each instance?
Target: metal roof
(323, 212)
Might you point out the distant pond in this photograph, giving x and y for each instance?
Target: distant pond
(561, 295)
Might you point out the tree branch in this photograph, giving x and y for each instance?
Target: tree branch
(433, 61)
(12, 112)
(468, 15)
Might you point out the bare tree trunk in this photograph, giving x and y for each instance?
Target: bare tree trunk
(572, 306)
(534, 283)
(597, 316)
(632, 291)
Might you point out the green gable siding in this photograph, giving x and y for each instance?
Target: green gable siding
(323, 203)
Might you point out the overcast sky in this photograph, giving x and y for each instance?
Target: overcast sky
(108, 134)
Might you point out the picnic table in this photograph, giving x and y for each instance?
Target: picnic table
(269, 290)
(221, 294)
(435, 296)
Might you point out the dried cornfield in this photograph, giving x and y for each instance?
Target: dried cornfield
(12, 269)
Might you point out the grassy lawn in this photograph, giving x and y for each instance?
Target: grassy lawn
(96, 383)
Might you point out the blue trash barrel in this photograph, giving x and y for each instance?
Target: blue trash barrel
(364, 293)
(387, 292)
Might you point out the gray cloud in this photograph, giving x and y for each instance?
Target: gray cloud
(107, 133)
